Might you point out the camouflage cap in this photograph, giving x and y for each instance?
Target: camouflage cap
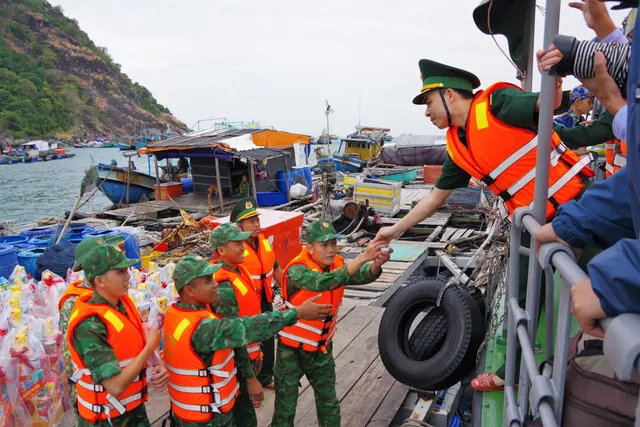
(97, 255)
(320, 231)
(243, 209)
(191, 267)
(227, 232)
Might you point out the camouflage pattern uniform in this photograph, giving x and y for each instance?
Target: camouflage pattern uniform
(243, 209)
(227, 307)
(90, 341)
(214, 334)
(65, 313)
(96, 256)
(292, 363)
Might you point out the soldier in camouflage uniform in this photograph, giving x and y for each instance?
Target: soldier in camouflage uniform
(194, 282)
(106, 269)
(294, 362)
(226, 306)
(246, 215)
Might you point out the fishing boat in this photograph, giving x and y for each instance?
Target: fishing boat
(126, 146)
(343, 163)
(109, 144)
(115, 184)
(77, 145)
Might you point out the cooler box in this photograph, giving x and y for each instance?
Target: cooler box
(383, 196)
(168, 189)
(431, 173)
(283, 229)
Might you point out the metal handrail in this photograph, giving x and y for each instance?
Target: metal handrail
(545, 394)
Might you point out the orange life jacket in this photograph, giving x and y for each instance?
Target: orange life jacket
(73, 290)
(248, 298)
(616, 156)
(504, 158)
(260, 265)
(311, 335)
(196, 389)
(125, 334)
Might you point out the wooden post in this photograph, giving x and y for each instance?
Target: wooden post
(157, 194)
(252, 176)
(219, 184)
(286, 177)
(128, 178)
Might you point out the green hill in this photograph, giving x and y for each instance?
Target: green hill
(55, 82)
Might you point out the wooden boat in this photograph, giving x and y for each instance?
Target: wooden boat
(115, 184)
(124, 146)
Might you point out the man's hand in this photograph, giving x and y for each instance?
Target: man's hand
(386, 235)
(384, 256)
(159, 377)
(308, 310)
(546, 234)
(548, 58)
(603, 86)
(255, 389)
(257, 365)
(596, 16)
(153, 338)
(585, 305)
(372, 251)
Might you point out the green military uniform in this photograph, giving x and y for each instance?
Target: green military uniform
(319, 367)
(227, 306)
(65, 313)
(598, 132)
(510, 106)
(213, 334)
(244, 209)
(245, 189)
(96, 256)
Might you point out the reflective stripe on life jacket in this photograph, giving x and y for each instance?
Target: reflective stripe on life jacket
(246, 295)
(616, 156)
(125, 334)
(260, 266)
(73, 290)
(196, 389)
(504, 158)
(311, 335)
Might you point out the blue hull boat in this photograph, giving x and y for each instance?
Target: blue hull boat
(351, 165)
(126, 147)
(115, 184)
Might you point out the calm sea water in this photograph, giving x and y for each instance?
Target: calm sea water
(30, 191)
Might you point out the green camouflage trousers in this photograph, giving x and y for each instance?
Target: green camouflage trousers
(244, 415)
(291, 365)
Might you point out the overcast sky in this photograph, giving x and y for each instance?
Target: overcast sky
(276, 61)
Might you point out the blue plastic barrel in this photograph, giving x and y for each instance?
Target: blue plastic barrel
(187, 185)
(38, 232)
(282, 184)
(8, 260)
(76, 238)
(28, 259)
(13, 240)
(305, 172)
(40, 242)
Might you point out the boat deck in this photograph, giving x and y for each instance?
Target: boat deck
(368, 395)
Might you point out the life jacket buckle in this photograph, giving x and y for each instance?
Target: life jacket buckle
(203, 373)
(98, 409)
(207, 389)
(206, 409)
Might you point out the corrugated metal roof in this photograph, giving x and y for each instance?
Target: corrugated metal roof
(200, 139)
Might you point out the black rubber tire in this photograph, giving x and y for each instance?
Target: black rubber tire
(468, 363)
(428, 337)
(457, 354)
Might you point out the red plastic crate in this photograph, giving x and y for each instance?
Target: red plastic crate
(283, 229)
